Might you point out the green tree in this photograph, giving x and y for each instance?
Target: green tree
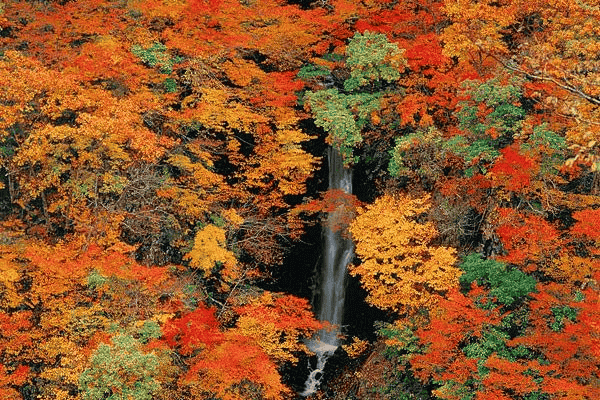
(121, 371)
(373, 63)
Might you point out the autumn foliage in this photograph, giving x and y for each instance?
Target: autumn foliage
(400, 267)
(158, 159)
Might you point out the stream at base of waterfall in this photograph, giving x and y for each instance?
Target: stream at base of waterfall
(338, 251)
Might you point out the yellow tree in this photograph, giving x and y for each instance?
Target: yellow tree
(400, 267)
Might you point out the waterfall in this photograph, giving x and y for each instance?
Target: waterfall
(338, 252)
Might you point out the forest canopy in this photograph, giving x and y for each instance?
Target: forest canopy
(160, 159)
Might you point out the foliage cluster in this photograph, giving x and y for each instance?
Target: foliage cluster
(155, 159)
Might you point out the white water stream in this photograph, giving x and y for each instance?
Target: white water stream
(338, 252)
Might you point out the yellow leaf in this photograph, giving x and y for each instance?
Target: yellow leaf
(209, 249)
(400, 269)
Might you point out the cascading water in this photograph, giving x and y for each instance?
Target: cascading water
(338, 252)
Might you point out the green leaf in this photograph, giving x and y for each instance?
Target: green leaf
(170, 85)
(560, 315)
(339, 114)
(371, 57)
(508, 286)
(506, 115)
(95, 280)
(156, 56)
(149, 330)
(312, 71)
(372, 61)
(492, 341)
(120, 371)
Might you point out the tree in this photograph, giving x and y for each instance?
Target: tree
(120, 371)
(278, 323)
(209, 252)
(401, 268)
(529, 39)
(154, 154)
(372, 62)
(509, 337)
(142, 135)
(235, 362)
